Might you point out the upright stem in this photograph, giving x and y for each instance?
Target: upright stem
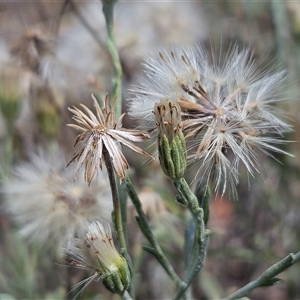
(117, 215)
(123, 203)
(198, 252)
(108, 11)
(6, 158)
(126, 296)
(193, 205)
(145, 228)
(283, 37)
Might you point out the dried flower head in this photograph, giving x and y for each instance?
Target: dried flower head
(226, 103)
(102, 133)
(168, 118)
(47, 206)
(31, 48)
(97, 253)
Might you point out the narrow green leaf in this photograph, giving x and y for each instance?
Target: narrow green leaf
(271, 281)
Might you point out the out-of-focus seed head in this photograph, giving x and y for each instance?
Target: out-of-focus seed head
(48, 208)
(30, 49)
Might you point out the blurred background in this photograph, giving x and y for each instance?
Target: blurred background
(52, 56)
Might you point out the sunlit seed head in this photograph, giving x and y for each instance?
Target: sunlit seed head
(228, 105)
(31, 48)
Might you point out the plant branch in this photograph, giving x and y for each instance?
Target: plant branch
(117, 215)
(126, 296)
(108, 11)
(198, 252)
(142, 221)
(268, 277)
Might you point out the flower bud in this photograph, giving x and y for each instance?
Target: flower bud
(171, 142)
(97, 252)
(117, 281)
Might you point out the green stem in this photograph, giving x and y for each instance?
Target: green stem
(268, 275)
(142, 221)
(117, 214)
(126, 296)
(7, 155)
(191, 201)
(283, 38)
(123, 203)
(198, 252)
(108, 11)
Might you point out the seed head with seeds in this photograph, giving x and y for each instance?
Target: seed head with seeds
(227, 105)
(102, 133)
(96, 252)
(48, 208)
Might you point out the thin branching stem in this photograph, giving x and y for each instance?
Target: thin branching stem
(126, 296)
(267, 276)
(198, 252)
(142, 221)
(117, 216)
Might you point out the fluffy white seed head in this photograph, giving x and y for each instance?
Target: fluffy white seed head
(97, 253)
(45, 203)
(227, 106)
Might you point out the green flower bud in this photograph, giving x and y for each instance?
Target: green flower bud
(171, 142)
(98, 253)
(117, 281)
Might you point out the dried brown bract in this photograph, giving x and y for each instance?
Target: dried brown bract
(101, 132)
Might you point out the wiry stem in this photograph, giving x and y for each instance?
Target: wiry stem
(126, 296)
(117, 215)
(268, 277)
(155, 250)
(108, 11)
(6, 164)
(198, 251)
